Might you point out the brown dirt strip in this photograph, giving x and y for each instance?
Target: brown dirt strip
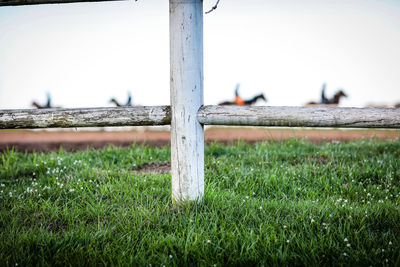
(25, 140)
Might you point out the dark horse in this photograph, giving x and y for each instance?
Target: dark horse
(241, 102)
(325, 101)
(128, 103)
(47, 105)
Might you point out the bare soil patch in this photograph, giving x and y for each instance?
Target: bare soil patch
(155, 168)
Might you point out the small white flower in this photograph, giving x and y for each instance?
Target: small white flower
(344, 254)
(170, 256)
(345, 240)
(287, 241)
(208, 241)
(284, 227)
(348, 245)
(383, 250)
(390, 242)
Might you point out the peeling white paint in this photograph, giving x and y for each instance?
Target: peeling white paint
(187, 135)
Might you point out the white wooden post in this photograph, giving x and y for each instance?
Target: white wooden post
(186, 67)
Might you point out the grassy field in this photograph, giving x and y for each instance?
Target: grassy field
(273, 203)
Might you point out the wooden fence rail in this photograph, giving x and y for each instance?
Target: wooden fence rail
(301, 116)
(84, 117)
(207, 115)
(39, 2)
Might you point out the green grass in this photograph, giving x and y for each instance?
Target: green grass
(273, 203)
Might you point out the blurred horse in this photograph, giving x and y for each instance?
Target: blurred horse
(241, 102)
(47, 105)
(128, 102)
(325, 101)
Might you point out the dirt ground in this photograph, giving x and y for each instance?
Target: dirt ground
(71, 140)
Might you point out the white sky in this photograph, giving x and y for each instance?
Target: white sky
(86, 53)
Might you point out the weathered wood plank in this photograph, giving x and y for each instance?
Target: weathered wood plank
(39, 2)
(84, 117)
(187, 135)
(300, 116)
(207, 115)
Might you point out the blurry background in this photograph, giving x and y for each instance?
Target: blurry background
(84, 54)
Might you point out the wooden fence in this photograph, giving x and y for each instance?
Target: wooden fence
(206, 115)
(187, 115)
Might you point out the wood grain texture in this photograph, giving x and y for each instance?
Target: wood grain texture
(207, 115)
(300, 116)
(84, 117)
(187, 135)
